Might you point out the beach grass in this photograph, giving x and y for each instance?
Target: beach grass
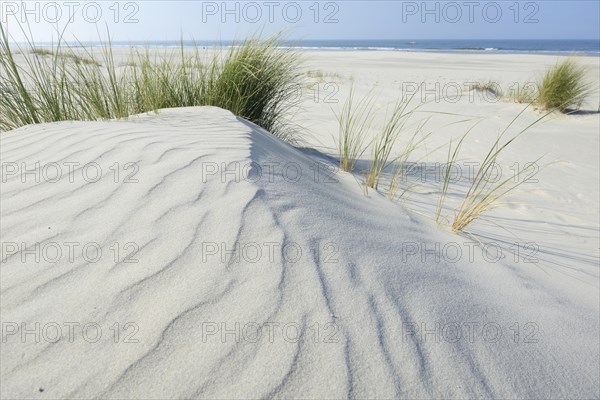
(355, 120)
(79, 59)
(453, 153)
(485, 191)
(255, 79)
(38, 51)
(401, 164)
(322, 76)
(564, 86)
(488, 86)
(385, 141)
(258, 81)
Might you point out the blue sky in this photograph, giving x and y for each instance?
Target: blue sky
(346, 19)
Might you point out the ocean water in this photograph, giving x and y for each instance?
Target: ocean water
(582, 47)
(507, 46)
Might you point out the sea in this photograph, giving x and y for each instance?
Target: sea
(558, 47)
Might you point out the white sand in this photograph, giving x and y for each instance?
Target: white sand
(354, 306)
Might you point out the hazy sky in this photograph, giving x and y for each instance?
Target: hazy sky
(347, 19)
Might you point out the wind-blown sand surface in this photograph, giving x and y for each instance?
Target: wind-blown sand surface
(327, 293)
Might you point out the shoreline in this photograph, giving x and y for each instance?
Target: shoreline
(558, 53)
(559, 47)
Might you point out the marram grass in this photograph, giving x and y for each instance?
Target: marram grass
(563, 87)
(354, 120)
(483, 193)
(385, 141)
(256, 80)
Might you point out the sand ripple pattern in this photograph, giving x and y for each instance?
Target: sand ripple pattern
(348, 298)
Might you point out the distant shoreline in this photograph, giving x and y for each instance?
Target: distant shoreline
(542, 47)
(333, 49)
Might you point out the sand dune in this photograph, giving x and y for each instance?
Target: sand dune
(220, 262)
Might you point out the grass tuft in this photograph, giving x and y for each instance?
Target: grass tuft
(484, 192)
(354, 121)
(256, 80)
(490, 86)
(564, 87)
(385, 141)
(41, 52)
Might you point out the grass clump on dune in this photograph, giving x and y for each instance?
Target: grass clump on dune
(258, 81)
(384, 143)
(79, 59)
(402, 166)
(354, 121)
(41, 52)
(168, 80)
(489, 87)
(255, 80)
(70, 55)
(485, 190)
(563, 87)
